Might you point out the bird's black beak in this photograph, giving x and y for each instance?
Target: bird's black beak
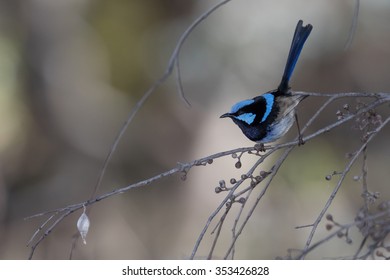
(226, 115)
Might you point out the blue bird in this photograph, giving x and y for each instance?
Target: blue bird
(267, 117)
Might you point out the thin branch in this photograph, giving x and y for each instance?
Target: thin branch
(337, 95)
(171, 64)
(236, 220)
(173, 61)
(352, 30)
(360, 247)
(342, 228)
(273, 173)
(47, 232)
(227, 197)
(368, 197)
(347, 118)
(181, 167)
(179, 84)
(340, 181)
(290, 145)
(40, 228)
(74, 207)
(219, 228)
(279, 163)
(59, 214)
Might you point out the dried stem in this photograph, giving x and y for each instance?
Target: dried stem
(173, 61)
(343, 228)
(348, 167)
(59, 214)
(239, 189)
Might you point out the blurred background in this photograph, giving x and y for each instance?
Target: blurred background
(71, 71)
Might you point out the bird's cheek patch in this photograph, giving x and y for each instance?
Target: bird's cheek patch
(247, 117)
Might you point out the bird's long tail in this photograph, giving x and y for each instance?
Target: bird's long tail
(299, 39)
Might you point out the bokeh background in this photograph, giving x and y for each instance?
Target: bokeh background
(70, 71)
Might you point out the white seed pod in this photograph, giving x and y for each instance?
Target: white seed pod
(83, 226)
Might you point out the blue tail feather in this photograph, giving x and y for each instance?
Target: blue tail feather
(299, 39)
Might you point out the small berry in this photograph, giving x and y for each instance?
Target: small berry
(379, 254)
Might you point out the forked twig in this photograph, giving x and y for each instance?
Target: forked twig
(173, 61)
(58, 215)
(348, 167)
(235, 192)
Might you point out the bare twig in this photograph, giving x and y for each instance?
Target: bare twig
(352, 30)
(218, 229)
(239, 189)
(40, 229)
(339, 183)
(59, 214)
(173, 61)
(342, 228)
(272, 172)
(236, 220)
(380, 98)
(219, 207)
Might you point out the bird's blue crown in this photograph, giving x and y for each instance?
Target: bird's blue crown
(248, 110)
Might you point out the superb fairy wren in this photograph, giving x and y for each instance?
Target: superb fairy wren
(267, 117)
